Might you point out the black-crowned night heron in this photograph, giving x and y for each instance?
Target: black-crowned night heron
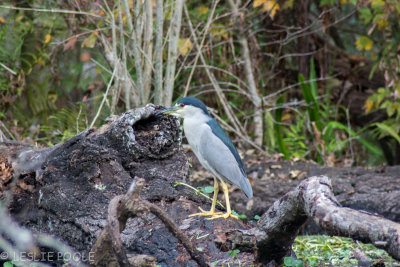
(214, 150)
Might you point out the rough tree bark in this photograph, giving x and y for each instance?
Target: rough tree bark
(314, 199)
(65, 190)
(109, 248)
(376, 189)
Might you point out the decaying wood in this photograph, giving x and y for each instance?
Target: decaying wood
(373, 189)
(65, 191)
(22, 247)
(314, 199)
(109, 248)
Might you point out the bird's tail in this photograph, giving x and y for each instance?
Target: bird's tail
(246, 187)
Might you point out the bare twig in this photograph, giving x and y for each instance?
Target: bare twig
(198, 192)
(116, 226)
(199, 50)
(104, 97)
(8, 69)
(76, 36)
(52, 10)
(7, 131)
(363, 259)
(265, 98)
(238, 127)
(223, 71)
(49, 241)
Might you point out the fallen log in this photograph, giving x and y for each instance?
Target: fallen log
(314, 199)
(373, 189)
(65, 190)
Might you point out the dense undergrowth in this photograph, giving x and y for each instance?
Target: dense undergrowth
(336, 251)
(277, 74)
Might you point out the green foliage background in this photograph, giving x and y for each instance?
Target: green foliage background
(54, 72)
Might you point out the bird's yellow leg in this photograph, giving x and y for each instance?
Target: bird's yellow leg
(214, 201)
(228, 205)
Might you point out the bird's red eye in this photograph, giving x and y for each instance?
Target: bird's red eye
(182, 105)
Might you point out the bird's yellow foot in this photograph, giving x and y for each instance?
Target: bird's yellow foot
(223, 215)
(205, 213)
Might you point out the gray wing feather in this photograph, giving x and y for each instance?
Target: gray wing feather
(223, 162)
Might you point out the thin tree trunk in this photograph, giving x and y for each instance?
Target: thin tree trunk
(123, 81)
(173, 52)
(124, 74)
(148, 48)
(158, 53)
(136, 54)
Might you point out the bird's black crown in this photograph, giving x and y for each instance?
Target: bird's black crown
(192, 101)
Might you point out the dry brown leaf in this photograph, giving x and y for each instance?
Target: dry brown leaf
(70, 44)
(294, 174)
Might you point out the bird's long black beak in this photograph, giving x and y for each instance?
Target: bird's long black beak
(170, 110)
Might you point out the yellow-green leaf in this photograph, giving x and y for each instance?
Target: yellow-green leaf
(219, 30)
(377, 3)
(184, 45)
(365, 14)
(364, 43)
(90, 41)
(369, 104)
(258, 3)
(389, 107)
(47, 39)
(202, 10)
(288, 4)
(271, 6)
(387, 129)
(381, 21)
(52, 97)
